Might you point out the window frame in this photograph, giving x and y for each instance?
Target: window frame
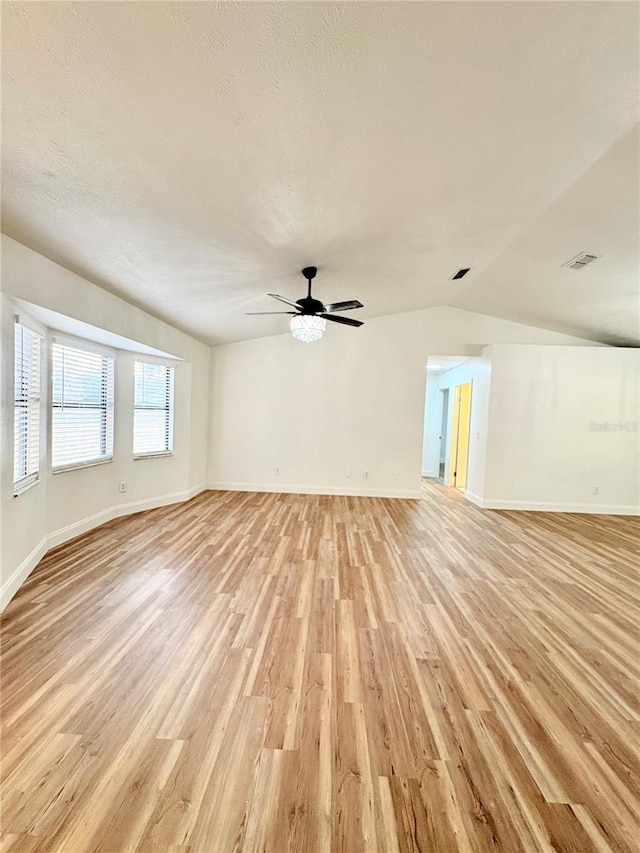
(83, 346)
(29, 479)
(170, 409)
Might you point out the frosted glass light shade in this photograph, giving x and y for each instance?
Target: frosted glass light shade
(307, 328)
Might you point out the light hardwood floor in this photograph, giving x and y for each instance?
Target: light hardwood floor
(256, 673)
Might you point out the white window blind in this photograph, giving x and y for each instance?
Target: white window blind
(26, 411)
(82, 406)
(153, 409)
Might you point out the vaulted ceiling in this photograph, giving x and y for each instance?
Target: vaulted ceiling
(193, 156)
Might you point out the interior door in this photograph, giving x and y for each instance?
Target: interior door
(460, 424)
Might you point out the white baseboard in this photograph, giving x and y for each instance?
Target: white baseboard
(475, 499)
(13, 584)
(195, 490)
(542, 506)
(64, 534)
(152, 503)
(79, 527)
(411, 494)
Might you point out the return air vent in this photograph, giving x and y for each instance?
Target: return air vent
(460, 273)
(580, 261)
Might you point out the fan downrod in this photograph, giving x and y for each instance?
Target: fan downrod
(309, 305)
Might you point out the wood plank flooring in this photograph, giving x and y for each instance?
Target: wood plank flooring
(260, 672)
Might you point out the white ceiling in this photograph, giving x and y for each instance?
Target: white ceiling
(599, 214)
(193, 156)
(440, 363)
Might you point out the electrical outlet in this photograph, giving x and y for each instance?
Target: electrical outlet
(277, 472)
(394, 475)
(122, 486)
(365, 475)
(596, 490)
(348, 473)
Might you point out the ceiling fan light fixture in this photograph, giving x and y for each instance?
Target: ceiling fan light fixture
(307, 327)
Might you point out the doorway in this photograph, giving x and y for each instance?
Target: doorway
(460, 423)
(444, 424)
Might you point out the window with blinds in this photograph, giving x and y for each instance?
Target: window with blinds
(153, 409)
(26, 411)
(82, 406)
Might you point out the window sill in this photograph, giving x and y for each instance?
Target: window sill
(20, 489)
(158, 455)
(78, 466)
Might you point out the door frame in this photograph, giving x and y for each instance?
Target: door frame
(444, 415)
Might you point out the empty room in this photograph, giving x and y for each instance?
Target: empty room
(319, 438)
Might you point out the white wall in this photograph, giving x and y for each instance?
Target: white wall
(478, 372)
(63, 505)
(76, 499)
(543, 451)
(324, 413)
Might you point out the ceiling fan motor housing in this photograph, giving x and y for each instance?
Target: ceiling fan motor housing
(309, 305)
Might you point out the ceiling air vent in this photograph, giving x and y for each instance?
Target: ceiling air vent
(580, 261)
(460, 273)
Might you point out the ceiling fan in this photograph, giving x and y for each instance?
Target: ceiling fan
(309, 320)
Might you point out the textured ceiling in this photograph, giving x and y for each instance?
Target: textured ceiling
(193, 156)
(599, 214)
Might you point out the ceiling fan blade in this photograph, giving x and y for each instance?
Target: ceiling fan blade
(284, 299)
(344, 306)
(347, 321)
(256, 313)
